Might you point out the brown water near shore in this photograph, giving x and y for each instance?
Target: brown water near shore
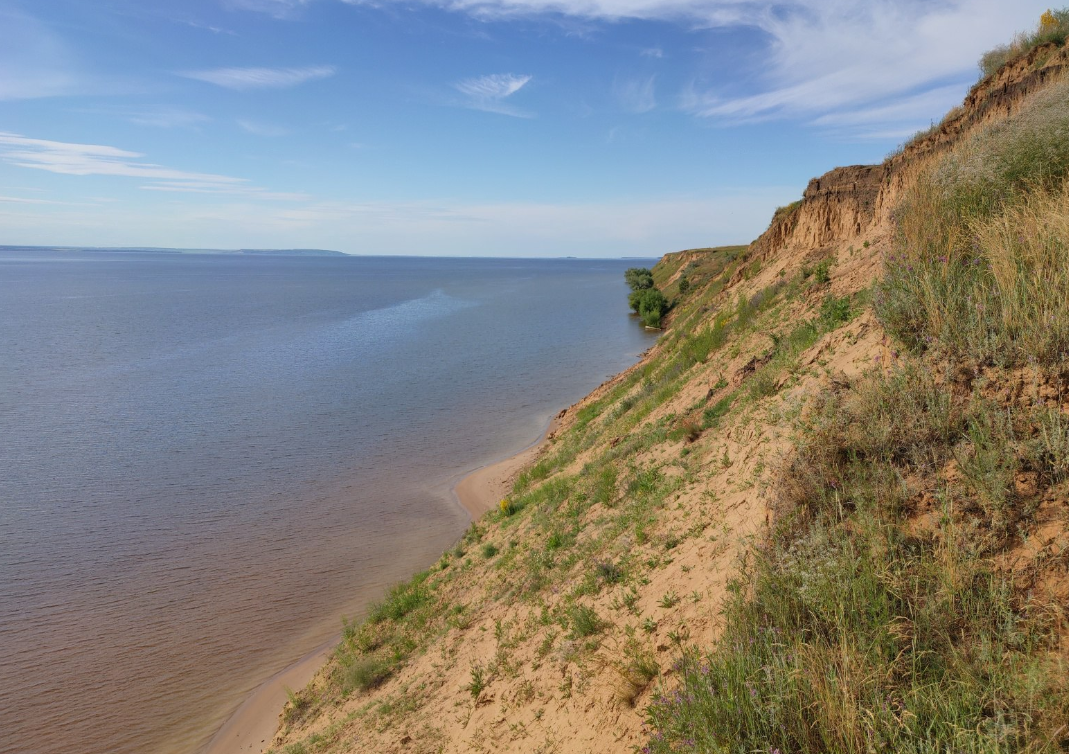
(210, 461)
(252, 726)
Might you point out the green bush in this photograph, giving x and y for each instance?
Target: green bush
(650, 304)
(584, 621)
(638, 278)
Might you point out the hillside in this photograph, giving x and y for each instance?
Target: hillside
(828, 511)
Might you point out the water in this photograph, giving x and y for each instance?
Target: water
(207, 461)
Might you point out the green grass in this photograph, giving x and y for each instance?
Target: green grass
(853, 631)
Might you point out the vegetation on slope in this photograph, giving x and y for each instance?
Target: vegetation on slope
(909, 590)
(1053, 28)
(894, 606)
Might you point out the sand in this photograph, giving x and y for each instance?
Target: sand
(252, 727)
(482, 489)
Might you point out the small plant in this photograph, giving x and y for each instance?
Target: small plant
(489, 550)
(364, 673)
(649, 625)
(506, 506)
(609, 572)
(718, 410)
(479, 681)
(584, 621)
(669, 600)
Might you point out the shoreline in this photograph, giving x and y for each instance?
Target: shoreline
(252, 726)
(479, 491)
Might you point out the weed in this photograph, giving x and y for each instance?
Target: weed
(584, 621)
(609, 572)
(669, 600)
(712, 415)
(479, 681)
(489, 550)
(364, 673)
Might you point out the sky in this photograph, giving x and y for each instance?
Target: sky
(594, 128)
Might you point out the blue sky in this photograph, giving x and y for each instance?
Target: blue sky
(461, 127)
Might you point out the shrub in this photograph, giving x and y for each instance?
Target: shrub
(638, 278)
(584, 621)
(489, 550)
(609, 572)
(650, 304)
(855, 631)
(400, 601)
(364, 673)
(712, 415)
(479, 681)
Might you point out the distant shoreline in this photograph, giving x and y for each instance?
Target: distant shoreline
(167, 250)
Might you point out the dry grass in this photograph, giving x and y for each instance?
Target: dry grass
(978, 270)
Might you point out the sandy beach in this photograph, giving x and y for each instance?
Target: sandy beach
(252, 727)
(482, 489)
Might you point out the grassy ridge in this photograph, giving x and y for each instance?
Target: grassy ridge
(891, 608)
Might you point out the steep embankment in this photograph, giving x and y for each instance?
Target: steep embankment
(824, 535)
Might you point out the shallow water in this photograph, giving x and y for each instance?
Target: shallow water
(207, 461)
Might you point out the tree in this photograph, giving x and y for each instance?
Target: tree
(650, 304)
(638, 278)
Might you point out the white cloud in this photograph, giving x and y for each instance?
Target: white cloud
(489, 93)
(636, 95)
(243, 79)
(496, 86)
(818, 56)
(653, 52)
(94, 159)
(261, 129)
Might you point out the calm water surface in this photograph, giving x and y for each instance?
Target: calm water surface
(207, 461)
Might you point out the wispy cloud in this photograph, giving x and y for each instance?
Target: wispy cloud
(817, 56)
(243, 79)
(652, 52)
(94, 159)
(261, 129)
(274, 8)
(166, 117)
(249, 192)
(489, 93)
(635, 95)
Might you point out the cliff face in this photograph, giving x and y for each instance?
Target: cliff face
(846, 204)
(555, 621)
